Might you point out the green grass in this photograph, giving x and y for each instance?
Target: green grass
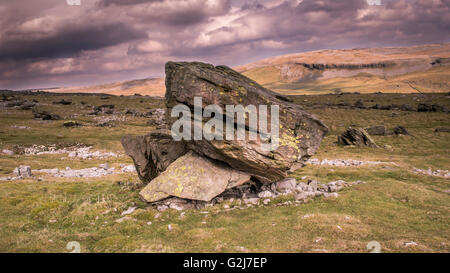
(394, 206)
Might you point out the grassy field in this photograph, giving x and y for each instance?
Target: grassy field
(393, 207)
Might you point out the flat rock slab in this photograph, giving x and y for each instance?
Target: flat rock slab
(193, 177)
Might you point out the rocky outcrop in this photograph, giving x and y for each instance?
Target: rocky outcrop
(318, 66)
(211, 166)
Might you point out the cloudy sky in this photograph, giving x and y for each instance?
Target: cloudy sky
(48, 43)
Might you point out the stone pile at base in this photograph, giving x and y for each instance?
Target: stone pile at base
(203, 169)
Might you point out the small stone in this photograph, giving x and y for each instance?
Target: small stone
(328, 195)
(71, 124)
(251, 201)
(162, 208)
(169, 227)
(412, 243)
(266, 201)
(149, 223)
(128, 211)
(286, 185)
(265, 194)
(104, 166)
(22, 171)
(157, 215)
(120, 220)
(301, 196)
(7, 152)
(313, 184)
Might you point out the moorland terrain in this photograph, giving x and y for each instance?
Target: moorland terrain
(403, 209)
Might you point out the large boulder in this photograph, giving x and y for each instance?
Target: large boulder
(202, 169)
(300, 133)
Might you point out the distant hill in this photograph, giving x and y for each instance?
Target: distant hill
(151, 87)
(424, 68)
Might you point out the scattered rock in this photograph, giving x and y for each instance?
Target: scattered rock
(7, 152)
(345, 162)
(359, 104)
(130, 210)
(22, 171)
(258, 195)
(128, 169)
(265, 194)
(120, 220)
(440, 173)
(27, 106)
(252, 201)
(442, 130)
(162, 208)
(357, 137)
(328, 195)
(44, 115)
(86, 153)
(71, 123)
(105, 124)
(377, 130)
(88, 172)
(63, 102)
(286, 185)
(400, 130)
(425, 107)
(411, 243)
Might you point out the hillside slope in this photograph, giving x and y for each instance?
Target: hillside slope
(395, 69)
(151, 87)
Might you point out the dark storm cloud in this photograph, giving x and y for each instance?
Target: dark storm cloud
(68, 42)
(57, 43)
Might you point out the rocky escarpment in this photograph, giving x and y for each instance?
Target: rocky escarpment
(319, 66)
(202, 169)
